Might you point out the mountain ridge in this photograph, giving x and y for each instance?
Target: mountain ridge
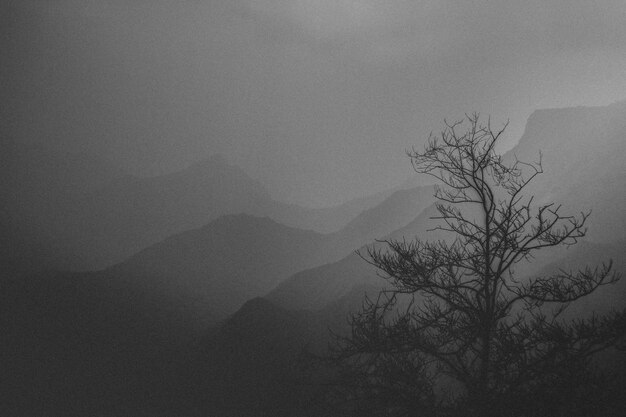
(572, 190)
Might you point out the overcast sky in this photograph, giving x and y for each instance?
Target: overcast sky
(317, 99)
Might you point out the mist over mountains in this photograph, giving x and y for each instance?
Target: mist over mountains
(341, 286)
(66, 219)
(582, 152)
(193, 293)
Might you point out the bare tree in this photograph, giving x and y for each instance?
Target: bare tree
(456, 329)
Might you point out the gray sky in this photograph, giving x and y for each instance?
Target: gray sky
(317, 99)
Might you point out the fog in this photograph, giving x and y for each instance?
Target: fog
(317, 99)
(193, 195)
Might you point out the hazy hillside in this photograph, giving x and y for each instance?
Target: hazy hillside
(119, 338)
(575, 142)
(212, 270)
(585, 174)
(261, 345)
(582, 152)
(130, 334)
(107, 224)
(218, 267)
(247, 367)
(87, 220)
(404, 213)
(192, 193)
(584, 168)
(315, 288)
(74, 218)
(326, 219)
(151, 306)
(395, 212)
(252, 365)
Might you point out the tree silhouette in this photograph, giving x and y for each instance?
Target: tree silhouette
(456, 332)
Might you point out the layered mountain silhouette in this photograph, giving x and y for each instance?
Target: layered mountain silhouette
(149, 309)
(212, 270)
(268, 345)
(200, 309)
(216, 268)
(582, 153)
(96, 222)
(315, 288)
(118, 220)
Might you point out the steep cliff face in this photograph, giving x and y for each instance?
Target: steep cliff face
(582, 151)
(575, 142)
